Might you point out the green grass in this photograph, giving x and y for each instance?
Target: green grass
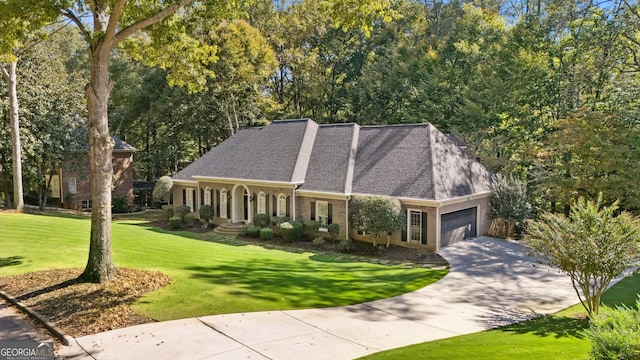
(557, 336)
(208, 277)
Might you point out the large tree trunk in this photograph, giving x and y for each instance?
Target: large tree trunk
(100, 266)
(11, 78)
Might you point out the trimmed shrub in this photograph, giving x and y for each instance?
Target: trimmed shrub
(119, 205)
(277, 220)
(261, 220)
(345, 245)
(616, 335)
(189, 219)
(292, 231)
(334, 231)
(319, 241)
(252, 231)
(181, 211)
(310, 228)
(206, 212)
(167, 212)
(175, 223)
(266, 234)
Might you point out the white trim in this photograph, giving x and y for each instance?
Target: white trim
(409, 230)
(185, 182)
(321, 194)
(73, 190)
(278, 210)
(317, 210)
(245, 181)
(207, 196)
(224, 204)
(262, 195)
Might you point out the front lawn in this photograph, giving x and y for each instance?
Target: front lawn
(557, 336)
(208, 277)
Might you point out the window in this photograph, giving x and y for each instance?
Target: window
(207, 196)
(72, 186)
(322, 214)
(415, 225)
(262, 203)
(190, 199)
(223, 204)
(282, 205)
(86, 204)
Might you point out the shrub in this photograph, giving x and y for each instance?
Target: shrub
(616, 335)
(167, 212)
(206, 212)
(277, 220)
(266, 234)
(291, 231)
(319, 241)
(181, 211)
(175, 223)
(252, 231)
(334, 231)
(119, 205)
(310, 228)
(345, 245)
(162, 189)
(189, 219)
(508, 206)
(261, 220)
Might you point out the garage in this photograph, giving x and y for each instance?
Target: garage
(458, 225)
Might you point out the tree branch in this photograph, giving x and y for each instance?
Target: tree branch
(114, 18)
(129, 30)
(5, 73)
(71, 16)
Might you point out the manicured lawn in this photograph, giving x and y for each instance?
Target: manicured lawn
(558, 336)
(208, 277)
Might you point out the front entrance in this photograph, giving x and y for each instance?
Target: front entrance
(240, 204)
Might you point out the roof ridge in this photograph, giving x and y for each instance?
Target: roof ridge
(351, 166)
(430, 129)
(304, 151)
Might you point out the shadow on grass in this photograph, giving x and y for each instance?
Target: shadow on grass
(11, 261)
(313, 284)
(550, 325)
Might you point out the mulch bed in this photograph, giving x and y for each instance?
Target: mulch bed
(80, 308)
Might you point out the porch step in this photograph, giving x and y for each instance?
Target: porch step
(230, 228)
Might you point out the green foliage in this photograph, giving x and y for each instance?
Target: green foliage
(334, 231)
(175, 223)
(162, 189)
(292, 231)
(252, 231)
(189, 219)
(279, 220)
(167, 212)
(593, 246)
(318, 241)
(206, 212)
(181, 211)
(376, 215)
(120, 205)
(261, 220)
(509, 204)
(266, 234)
(616, 335)
(310, 228)
(345, 245)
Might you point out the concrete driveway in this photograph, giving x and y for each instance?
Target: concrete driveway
(491, 283)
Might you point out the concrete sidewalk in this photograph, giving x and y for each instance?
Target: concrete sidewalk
(491, 283)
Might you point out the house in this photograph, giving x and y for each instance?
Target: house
(307, 171)
(71, 185)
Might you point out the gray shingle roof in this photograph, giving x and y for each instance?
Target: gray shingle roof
(412, 161)
(268, 153)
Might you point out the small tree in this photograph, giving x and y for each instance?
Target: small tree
(508, 206)
(592, 246)
(162, 189)
(376, 215)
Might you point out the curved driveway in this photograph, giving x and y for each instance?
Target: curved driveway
(491, 283)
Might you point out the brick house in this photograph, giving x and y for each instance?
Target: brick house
(71, 186)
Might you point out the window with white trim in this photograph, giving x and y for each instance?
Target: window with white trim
(282, 205)
(262, 203)
(322, 214)
(190, 198)
(414, 218)
(223, 204)
(72, 186)
(207, 196)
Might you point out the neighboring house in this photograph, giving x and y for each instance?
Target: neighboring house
(306, 171)
(71, 186)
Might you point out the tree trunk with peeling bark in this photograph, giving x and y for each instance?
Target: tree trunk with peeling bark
(10, 77)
